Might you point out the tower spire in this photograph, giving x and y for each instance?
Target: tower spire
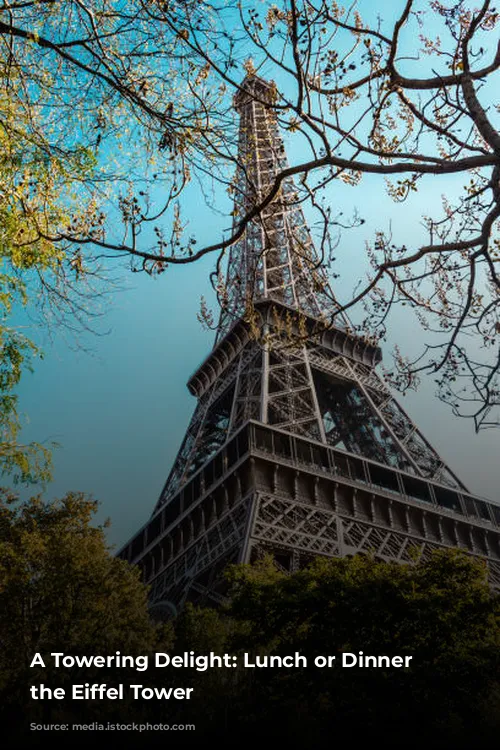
(275, 259)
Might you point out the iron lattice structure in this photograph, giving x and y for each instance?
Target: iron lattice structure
(296, 447)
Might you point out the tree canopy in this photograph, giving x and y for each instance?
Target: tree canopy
(61, 589)
(109, 110)
(440, 611)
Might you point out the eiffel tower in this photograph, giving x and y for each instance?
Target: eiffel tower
(296, 447)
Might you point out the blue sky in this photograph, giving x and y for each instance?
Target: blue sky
(120, 411)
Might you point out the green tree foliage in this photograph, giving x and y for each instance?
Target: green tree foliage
(440, 611)
(84, 89)
(108, 100)
(36, 186)
(61, 589)
(23, 462)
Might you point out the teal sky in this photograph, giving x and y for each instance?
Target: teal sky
(119, 412)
